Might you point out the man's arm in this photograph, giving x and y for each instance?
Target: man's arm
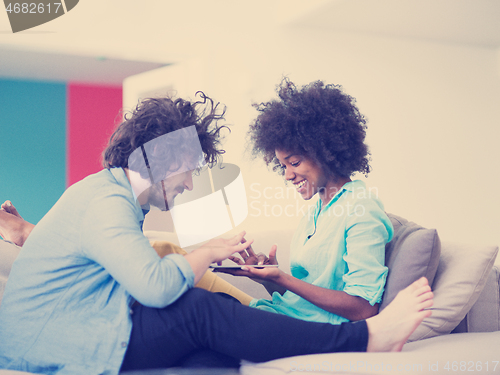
(112, 237)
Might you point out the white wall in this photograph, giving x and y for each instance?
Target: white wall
(433, 112)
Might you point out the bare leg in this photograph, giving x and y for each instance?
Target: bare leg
(210, 281)
(9, 208)
(13, 227)
(389, 330)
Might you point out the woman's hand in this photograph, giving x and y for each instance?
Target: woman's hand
(248, 256)
(269, 277)
(250, 263)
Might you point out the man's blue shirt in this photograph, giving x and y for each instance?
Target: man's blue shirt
(66, 307)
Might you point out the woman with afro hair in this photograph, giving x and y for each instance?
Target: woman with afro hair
(314, 137)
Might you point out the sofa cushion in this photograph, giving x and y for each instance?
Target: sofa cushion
(8, 253)
(465, 353)
(461, 276)
(412, 253)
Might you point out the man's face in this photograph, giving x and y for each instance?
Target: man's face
(163, 193)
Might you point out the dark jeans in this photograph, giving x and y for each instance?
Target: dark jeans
(203, 326)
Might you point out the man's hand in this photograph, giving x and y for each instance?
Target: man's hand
(215, 250)
(221, 249)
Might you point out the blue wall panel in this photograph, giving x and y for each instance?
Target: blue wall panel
(33, 145)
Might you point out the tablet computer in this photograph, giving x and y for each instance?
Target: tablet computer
(238, 267)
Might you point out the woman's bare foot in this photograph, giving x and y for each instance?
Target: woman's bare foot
(389, 330)
(13, 227)
(8, 207)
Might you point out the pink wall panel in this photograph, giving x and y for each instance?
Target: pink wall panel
(93, 112)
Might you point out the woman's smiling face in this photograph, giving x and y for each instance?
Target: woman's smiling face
(305, 174)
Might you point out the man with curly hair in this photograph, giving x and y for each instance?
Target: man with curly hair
(314, 137)
(89, 295)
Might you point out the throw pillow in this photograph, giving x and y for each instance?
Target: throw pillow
(460, 279)
(412, 253)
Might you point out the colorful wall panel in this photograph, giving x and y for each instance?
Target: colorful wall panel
(93, 113)
(33, 145)
(51, 135)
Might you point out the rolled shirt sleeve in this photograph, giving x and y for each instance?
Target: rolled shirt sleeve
(111, 237)
(368, 229)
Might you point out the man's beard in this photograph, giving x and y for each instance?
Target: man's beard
(158, 197)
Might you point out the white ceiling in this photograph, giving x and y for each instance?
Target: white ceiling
(104, 41)
(38, 65)
(469, 22)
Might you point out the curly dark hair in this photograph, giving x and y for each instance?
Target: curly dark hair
(317, 121)
(158, 116)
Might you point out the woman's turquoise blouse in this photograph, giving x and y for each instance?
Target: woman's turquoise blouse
(340, 247)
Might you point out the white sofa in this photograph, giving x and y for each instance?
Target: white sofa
(462, 335)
